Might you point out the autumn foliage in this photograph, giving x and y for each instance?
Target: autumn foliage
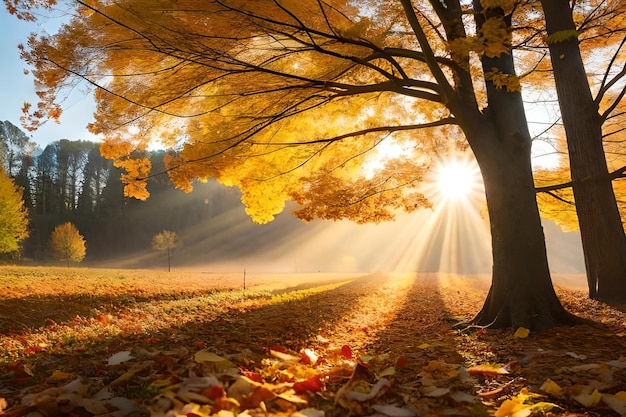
(67, 243)
(13, 215)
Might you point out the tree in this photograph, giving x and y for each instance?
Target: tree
(68, 244)
(165, 241)
(287, 99)
(14, 146)
(603, 239)
(13, 216)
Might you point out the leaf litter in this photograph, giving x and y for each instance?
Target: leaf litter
(376, 345)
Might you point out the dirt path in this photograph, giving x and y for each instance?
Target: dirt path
(398, 326)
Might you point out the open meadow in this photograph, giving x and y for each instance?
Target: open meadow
(89, 342)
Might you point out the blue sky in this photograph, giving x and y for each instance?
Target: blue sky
(16, 88)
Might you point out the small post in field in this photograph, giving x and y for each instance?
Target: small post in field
(244, 278)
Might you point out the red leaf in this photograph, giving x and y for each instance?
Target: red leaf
(313, 384)
(253, 376)
(214, 392)
(307, 356)
(279, 348)
(346, 352)
(402, 362)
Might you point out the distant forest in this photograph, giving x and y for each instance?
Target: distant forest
(71, 181)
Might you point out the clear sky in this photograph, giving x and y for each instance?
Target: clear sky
(16, 87)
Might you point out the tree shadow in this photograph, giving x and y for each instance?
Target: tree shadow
(32, 312)
(422, 330)
(290, 322)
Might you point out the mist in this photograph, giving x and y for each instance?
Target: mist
(452, 239)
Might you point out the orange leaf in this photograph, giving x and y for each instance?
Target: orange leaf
(487, 370)
(256, 397)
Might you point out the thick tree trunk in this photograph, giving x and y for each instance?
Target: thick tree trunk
(602, 233)
(521, 293)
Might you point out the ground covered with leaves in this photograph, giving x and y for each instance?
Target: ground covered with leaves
(83, 342)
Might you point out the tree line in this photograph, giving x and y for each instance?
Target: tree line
(70, 181)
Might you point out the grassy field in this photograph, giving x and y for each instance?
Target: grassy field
(57, 309)
(60, 328)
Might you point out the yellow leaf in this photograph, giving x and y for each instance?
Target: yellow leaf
(551, 387)
(521, 333)
(59, 376)
(616, 402)
(585, 396)
(423, 346)
(513, 408)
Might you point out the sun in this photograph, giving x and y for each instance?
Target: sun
(456, 178)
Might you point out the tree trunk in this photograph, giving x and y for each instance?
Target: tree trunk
(601, 230)
(521, 293)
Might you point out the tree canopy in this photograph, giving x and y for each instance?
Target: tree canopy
(67, 243)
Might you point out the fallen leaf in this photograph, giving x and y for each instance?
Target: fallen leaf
(308, 412)
(576, 356)
(521, 333)
(58, 376)
(256, 397)
(242, 387)
(377, 389)
(491, 393)
(120, 357)
(346, 352)
(586, 395)
(283, 356)
(513, 408)
(579, 368)
(435, 392)
(387, 371)
(308, 357)
(522, 405)
(551, 387)
(393, 410)
(217, 362)
(313, 384)
(616, 402)
(214, 392)
(487, 370)
(254, 376)
(402, 362)
(463, 397)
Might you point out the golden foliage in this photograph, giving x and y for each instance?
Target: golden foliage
(13, 215)
(67, 243)
(504, 81)
(284, 100)
(561, 36)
